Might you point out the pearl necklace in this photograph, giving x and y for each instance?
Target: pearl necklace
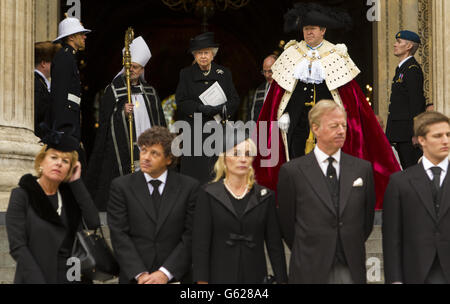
(209, 71)
(238, 197)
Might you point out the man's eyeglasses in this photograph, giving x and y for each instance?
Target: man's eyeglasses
(264, 72)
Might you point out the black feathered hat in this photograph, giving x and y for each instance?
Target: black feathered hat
(304, 14)
(202, 41)
(58, 140)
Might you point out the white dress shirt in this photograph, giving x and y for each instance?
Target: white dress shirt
(45, 79)
(428, 165)
(403, 61)
(322, 159)
(162, 179)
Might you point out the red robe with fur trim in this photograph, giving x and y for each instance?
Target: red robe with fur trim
(365, 138)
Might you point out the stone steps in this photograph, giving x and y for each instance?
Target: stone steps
(7, 264)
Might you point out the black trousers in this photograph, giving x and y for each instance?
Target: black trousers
(408, 154)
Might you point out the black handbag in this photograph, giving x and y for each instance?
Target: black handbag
(97, 260)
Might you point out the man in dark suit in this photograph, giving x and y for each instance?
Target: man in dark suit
(255, 106)
(150, 215)
(326, 205)
(43, 55)
(416, 217)
(407, 99)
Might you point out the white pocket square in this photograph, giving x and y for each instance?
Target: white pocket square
(358, 183)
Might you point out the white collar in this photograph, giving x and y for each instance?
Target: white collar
(323, 157)
(162, 178)
(428, 164)
(45, 79)
(314, 48)
(404, 60)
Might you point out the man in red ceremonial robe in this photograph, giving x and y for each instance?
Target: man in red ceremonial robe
(305, 73)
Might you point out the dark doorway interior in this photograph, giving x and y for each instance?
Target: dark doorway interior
(246, 37)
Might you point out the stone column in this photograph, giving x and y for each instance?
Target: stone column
(441, 55)
(46, 19)
(18, 145)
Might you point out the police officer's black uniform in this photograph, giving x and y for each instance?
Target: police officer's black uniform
(65, 96)
(65, 92)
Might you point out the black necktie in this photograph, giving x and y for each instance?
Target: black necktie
(436, 177)
(332, 178)
(155, 194)
(437, 185)
(334, 186)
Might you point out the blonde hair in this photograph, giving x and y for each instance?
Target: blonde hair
(322, 107)
(220, 168)
(73, 156)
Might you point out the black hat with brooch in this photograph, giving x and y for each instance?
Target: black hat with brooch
(58, 140)
(202, 41)
(303, 14)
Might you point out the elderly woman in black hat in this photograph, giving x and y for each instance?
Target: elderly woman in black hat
(195, 80)
(234, 217)
(45, 212)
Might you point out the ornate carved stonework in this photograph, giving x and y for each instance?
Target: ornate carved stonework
(425, 52)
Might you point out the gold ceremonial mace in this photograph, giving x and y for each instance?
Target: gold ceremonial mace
(129, 37)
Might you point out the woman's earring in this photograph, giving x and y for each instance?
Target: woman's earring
(41, 170)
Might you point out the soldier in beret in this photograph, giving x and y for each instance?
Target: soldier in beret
(407, 99)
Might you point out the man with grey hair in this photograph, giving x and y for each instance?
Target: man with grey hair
(111, 155)
(326, 205)
(407, 99)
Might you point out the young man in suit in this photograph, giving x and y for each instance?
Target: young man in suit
(326, 205)
(407, 99)
(416, 217)
(150, 215)
(43, 55)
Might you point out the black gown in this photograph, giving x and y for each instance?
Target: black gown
(111, 154)
(191, 85)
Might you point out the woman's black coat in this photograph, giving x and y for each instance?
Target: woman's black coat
(222, 241)
(191, 85)
(36, 232)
